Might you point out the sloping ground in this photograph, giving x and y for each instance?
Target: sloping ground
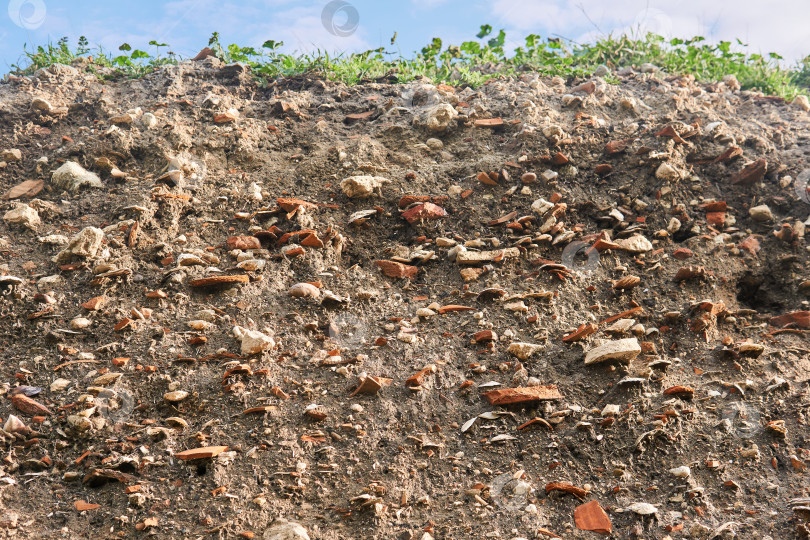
(535, 308)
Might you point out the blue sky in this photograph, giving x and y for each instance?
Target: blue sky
(187, 24)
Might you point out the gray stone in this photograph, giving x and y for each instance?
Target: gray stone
(71, 176)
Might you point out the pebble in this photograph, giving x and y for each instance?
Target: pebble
(643, 509)
(359, 187)
(437, 118)
(801, 102)
(176, 396)
(304, 290)
(22, 214)
(71, 176)
(285, 530)
(601, 71)
(253, 341)
(635, 244)
(434, 144)
(665, 171)
(681, 472)
(524, 351)
(80, 323)
(761, 213)
(622, 350)
(11, 155)
(648, 68)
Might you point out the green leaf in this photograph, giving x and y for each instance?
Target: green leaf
(136, 54)
(486, 29)
(125, 47)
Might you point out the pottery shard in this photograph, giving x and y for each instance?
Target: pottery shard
(71, 176)
(622, 350)
(509, 396)
(253, 341)
(479, 257)
(29, 406)
(424, 211)
(796, 318)
(635, 244)
(84, 245)
(243, 242)
(218, 281)
(28, 188)
(201, 453)
(751, 174)
(358, 187)
(591, 517)
(397, 270)
(285, 530)
(523, 351)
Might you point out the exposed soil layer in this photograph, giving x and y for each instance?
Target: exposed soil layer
(409, 312)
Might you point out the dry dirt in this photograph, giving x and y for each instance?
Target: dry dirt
(695, 428)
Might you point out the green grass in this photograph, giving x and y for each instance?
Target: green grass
(463, 63)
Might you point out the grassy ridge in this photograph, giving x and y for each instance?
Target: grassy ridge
(471, 62)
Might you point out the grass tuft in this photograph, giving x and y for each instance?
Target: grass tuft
(471, 62)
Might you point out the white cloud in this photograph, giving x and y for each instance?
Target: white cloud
(765, 30)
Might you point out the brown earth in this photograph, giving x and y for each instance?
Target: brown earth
(351, 405)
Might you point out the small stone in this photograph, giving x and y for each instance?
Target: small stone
(11, 155)
(362, 186)
(24, 215)
(253, 341)
(648, 68)
(304, 290)
(761, 213)
(601, 71)
(681, 472)
(71, 176)
(635, 244)
(79, 423)
(80, 323)
(176, 396)
(643, 509)
(622, 350)
(434, 144)
(84, 245)
(437, 118)
(523, 351)
(282, 529)
(731, 82)
(801, 102)
(665, 171)
(59, 385)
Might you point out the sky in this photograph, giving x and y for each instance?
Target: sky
(357, 25)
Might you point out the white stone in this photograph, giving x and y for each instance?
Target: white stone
(362, 186)
(84, 245)
(761, 213)
(80, 323)
(635, 244)
(437, 118)
(253, 341)
(286, 530)
(801, 102)
(611, 410)
(665, 171)
(681, 472)
(11, 155)
(72, 176)
(24, 215)
(623, 350)
(643, 509)
(60, 385)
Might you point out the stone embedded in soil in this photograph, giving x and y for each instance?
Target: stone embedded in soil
(84, 245)
(622, 350)
(24, 215)
(437, 118)
(202, 452)
(219, 281)
(511, 396)
(282, 529)
(360, 187)
(524, 351)
(72, 176)
(591, 517)
(304, 290)
(253, 341)
(761, 213)
(635, 244)
(29, 406)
